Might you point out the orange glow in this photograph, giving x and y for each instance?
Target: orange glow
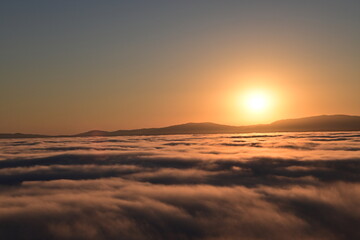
(256, 101)
(255, 104)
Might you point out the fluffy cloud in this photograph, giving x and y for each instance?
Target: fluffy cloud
(209, 188)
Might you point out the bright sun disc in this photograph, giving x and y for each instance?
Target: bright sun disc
(256, 101)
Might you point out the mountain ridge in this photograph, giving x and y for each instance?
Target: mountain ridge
(337, 122)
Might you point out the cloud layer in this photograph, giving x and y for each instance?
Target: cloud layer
(249, 186)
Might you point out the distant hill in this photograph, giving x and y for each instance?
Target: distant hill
(316, 123)
(187, 128)
(93, 133)
(319, 123)
(307, 124)
(21, 135)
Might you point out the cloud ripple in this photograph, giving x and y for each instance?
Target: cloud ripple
(268, 186)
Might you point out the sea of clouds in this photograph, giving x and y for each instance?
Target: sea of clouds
(298, 186)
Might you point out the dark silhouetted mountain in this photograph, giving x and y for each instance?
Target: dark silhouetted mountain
(21, 135)
(317, 123)
(92, 133)
(187, 128)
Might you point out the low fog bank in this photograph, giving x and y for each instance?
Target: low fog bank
(269, 186)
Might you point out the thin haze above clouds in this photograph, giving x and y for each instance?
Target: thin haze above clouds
(294, 186)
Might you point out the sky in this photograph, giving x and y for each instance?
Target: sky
(71, 66)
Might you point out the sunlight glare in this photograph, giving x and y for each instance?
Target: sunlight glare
(256, 101)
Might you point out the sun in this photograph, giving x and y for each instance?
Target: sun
(255, 104)
(256, 101)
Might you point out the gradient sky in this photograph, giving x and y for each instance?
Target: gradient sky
(72, 66)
